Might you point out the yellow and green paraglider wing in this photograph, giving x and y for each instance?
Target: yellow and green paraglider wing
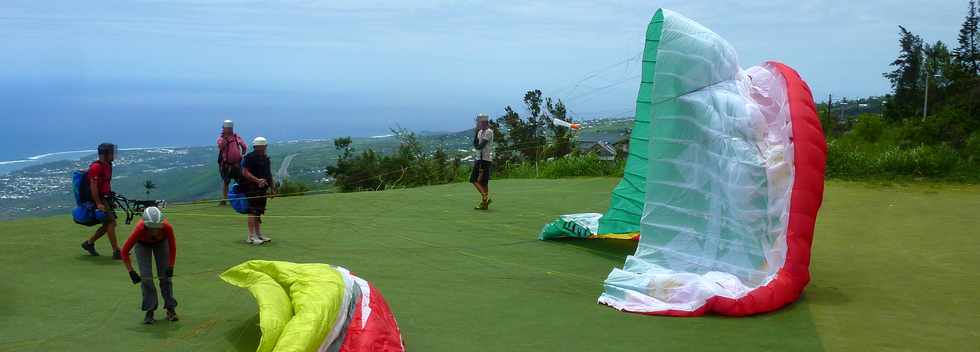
(298, 303)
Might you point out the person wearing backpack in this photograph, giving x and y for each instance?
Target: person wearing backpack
(99, 179)
(231, 147)
(257, 183)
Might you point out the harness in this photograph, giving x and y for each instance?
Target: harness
(131, 207)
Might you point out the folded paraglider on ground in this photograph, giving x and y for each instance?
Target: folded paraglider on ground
(316, 307)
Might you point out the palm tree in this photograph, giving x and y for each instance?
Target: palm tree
(149, 186)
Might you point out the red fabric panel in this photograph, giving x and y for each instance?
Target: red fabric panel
(379, 334)
(810, 154)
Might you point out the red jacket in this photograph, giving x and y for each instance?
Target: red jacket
(142, 235)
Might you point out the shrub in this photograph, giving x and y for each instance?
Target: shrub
(292, 188)
(854, 161)
(972, 149)
(568, 166)
(869, 127)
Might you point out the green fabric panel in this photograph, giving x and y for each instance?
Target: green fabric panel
(626, 205)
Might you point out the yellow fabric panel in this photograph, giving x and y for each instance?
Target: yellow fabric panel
(298, 303)
(619, 236)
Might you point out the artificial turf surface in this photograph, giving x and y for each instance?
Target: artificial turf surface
(894, 268)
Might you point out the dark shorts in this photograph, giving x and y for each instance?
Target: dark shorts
(229, 172)
(481, 172)
(106, 217)
(256, 201)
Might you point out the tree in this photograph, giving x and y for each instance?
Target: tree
(938, 72)
(534, 128)
(149, 186)
(343, 145)
(967, 54)
(562, 143)
(441, 168)
(524, 137)
(906, 78)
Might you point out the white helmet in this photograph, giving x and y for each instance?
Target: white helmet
(153, 218)
(258, 141)
(228, 124)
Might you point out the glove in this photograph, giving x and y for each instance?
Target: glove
(134, 276)
(170, 271)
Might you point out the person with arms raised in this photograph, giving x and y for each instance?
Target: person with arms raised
(482, 164)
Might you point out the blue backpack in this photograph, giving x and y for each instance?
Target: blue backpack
(85, 212)
(237, 199)
(80, 187)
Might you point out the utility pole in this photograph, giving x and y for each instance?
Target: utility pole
(830, 104)
(925, 99)
(830, 114)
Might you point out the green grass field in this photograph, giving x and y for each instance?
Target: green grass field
(894, 268)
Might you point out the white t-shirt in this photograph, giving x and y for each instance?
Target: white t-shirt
(487, 152)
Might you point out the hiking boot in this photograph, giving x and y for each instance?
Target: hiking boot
(172, 315)
(263, 238)
(90, 247)
(116, 254)
(148, 319)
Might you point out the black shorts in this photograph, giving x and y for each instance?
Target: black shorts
(481, 172)
(256, 201)
(229, 172)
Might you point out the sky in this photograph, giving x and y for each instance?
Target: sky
(166, 73)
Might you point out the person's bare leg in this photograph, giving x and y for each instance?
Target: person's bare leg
(98, 234)
(111, 232)
(480, 188)
(258, 226)
(224, 191)
(251, 225)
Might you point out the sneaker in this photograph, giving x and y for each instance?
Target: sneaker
(254, 240)
(263, 238)
(148, 319)
(484, 205)
(222, 203)
(116, 254)
(172, 315)
(90, 247)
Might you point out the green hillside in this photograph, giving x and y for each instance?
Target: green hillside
(894, 268)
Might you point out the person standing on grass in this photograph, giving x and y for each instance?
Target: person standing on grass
(258, 185)
(99, 177)
(483, 143)
(231, 147)
(153, 239)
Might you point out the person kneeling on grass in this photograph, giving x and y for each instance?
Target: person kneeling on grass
(153, 238)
